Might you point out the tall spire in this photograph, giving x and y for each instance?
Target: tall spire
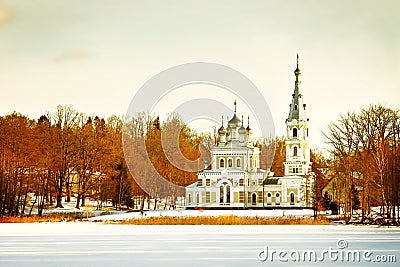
(297, 71)
(297, 107)
(234, 103)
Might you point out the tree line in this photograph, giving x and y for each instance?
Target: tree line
(66, 153)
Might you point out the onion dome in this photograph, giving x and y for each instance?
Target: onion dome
(242, 130)
(235, 122)
(222, 130)
(248, 129)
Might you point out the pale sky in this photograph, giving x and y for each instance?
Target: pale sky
(96, 54)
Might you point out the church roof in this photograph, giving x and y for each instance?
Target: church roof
(271, 181)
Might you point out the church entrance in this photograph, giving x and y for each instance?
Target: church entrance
(291, 199)
(225, 193)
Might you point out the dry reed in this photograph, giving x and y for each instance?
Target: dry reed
(227, 220)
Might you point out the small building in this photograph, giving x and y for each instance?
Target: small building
(235, 179)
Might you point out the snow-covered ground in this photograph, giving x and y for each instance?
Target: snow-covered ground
(97, 244)
(192, 213)
(112, 215)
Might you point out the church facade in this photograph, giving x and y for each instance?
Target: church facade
(235, 179)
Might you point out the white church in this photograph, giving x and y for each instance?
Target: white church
(235, 180)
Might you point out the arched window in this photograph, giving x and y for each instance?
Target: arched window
(253, 198)
(241, 182)
(292, 198)
(294, 132)
(197, 198)
(222, 163)
(230, 164)
(269, 198)
(295, 151)
(307, 132)
(277, 199)
(189, 198)
(238, 163)
(295, 107)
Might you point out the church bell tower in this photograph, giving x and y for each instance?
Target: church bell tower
(297, 161)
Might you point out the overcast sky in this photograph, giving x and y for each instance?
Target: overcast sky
(96, 54)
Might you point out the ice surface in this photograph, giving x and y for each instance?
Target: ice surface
(98, 244)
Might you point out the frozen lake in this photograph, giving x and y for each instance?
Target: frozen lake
(96, 244)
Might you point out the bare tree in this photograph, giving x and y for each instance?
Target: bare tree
(66, 120)
(363, 145)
